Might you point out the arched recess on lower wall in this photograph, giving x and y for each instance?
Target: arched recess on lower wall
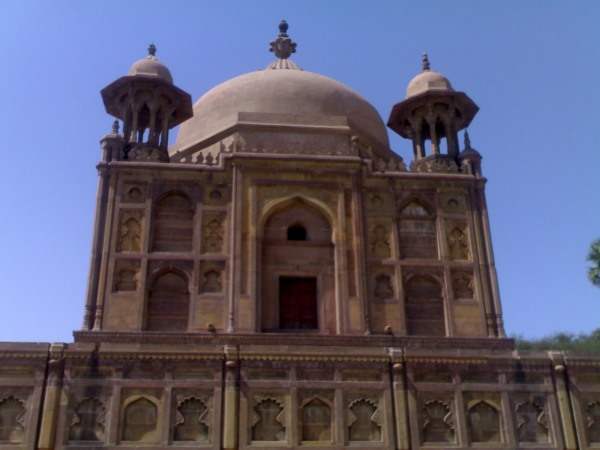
(296, 277)
(168, 301)
(424, 306)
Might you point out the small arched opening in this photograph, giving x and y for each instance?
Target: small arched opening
(297, 232)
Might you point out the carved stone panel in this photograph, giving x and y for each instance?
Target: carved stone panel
(458, 243)
(130, 231)
(140, 421)
(133, 193)
(192, 419)
(484, 418)
(453, 202)
(213, 232)
(88, 421)
(12, 420)
(592, 415)
(383, 287)
(212, 277)
(531, 419)
(316, 414)
(364, 420)
(437, 420)
(380, 241)
(462, 285)
(268, 418)
(126, 275)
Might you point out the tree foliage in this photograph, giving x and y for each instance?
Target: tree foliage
(580, 343)
(594, 258)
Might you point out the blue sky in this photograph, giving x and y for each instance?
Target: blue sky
(532, 67)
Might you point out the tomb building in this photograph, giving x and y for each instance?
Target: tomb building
(278, 277)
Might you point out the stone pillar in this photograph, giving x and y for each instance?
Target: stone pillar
(360, 251)
(231, 400)
(107, 231)
(487, 238)
(234, 247)
(52, 396)
(564, 406)
(400, 401)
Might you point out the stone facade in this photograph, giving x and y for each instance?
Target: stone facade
(279, 278)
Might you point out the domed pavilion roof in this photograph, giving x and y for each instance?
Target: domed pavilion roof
(428, 80)
(150, 66)
(282, 90)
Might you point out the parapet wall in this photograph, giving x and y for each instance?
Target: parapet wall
(255, 395)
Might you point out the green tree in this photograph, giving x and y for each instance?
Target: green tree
(579, 343)
(594, 258)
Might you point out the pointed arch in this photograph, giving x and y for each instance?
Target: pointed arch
(296, 282)
(173, 223)
(12, 414)
(276, 205)
(168, 301)
(417, 230)
(424, 306)
(140, 420)
(316, 420)
(484, 422)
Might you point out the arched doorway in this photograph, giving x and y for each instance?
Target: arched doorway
(297, 281)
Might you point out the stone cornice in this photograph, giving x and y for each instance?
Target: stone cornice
(432, 343)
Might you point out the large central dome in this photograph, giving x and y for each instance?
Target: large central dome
(279, 91)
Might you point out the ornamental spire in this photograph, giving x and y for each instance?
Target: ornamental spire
(283, 46)
(425, 62)
(467, 141)
(152, 50)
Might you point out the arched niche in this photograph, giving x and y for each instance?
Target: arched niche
(424, 306)
(417, 231)
(296, 272)
(168, 302)
(140, 420)
(173, 223)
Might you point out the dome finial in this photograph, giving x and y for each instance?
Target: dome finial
(115, 127)
(467, 140)
(283, 27)
(152, 50)
(283, 46)
(425, 62)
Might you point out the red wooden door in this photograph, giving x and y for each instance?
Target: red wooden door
(298, 303)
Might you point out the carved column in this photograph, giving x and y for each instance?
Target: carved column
(491, 266)
(235, 251)
(400, 401)
(481, 272)
(231, 400)
(435, 139)
(341, 267)
(98, 236)
(564, 406)
(106, 250)
(360, 253)
(52, 397)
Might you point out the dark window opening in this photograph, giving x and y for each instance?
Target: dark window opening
(296, 233)
(298, 303)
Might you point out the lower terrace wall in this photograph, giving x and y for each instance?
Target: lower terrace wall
(246, 396)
